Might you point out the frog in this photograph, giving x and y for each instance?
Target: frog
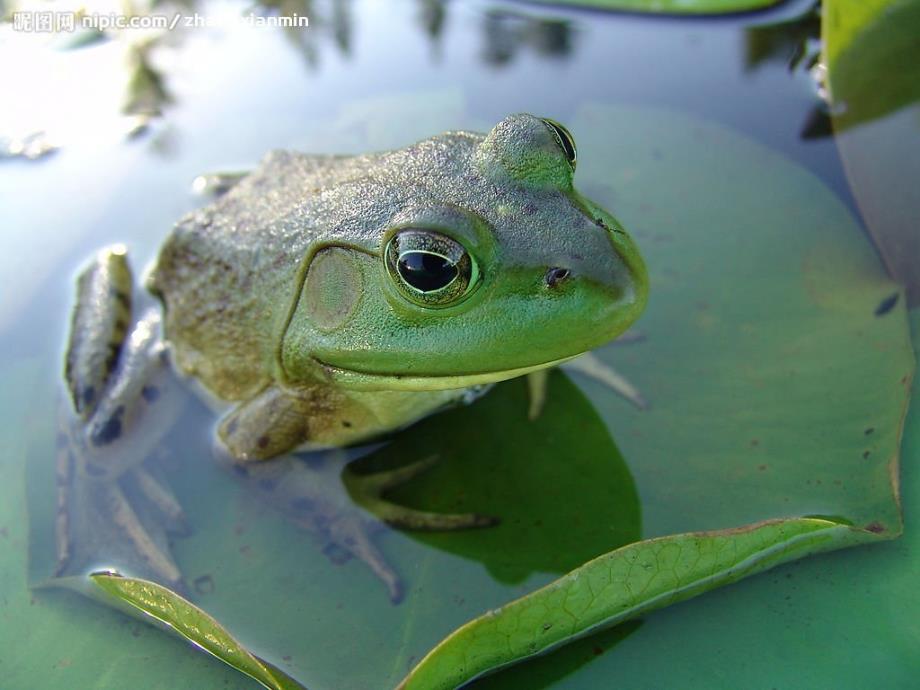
(320, 304)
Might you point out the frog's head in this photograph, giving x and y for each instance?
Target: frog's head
(491, 267)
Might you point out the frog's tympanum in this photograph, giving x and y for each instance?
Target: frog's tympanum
(324, 302)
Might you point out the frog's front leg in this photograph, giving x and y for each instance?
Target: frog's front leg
(317, 491)
(113, 511)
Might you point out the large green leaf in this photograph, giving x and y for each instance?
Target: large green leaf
(766, 366)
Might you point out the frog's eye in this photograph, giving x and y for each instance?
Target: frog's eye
(429, 268)
(565, 139)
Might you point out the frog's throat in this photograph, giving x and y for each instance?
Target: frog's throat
(366, 380)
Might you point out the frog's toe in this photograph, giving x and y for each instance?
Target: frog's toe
(122, 524)
(369, 490)
(309, 493)
(593, 367)
(161, 500)
(352, 534)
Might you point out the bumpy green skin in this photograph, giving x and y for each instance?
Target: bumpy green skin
(277, 294)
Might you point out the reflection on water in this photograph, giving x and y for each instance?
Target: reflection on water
(329, 21)
(432, 17)
(506, 33)
(31, 146)
(147, 76)
(793, 42)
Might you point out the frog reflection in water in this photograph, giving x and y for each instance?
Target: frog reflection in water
(324, 302)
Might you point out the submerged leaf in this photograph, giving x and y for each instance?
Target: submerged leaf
(168, 608)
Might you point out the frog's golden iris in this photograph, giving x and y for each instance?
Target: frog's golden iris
(430, 268)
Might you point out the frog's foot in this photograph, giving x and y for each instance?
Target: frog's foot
(319, 494)
(112, 509)
(369, 490)
(122, 522)
(309, 491)
(590, 365)
(350, 535)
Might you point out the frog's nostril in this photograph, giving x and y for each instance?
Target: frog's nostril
(555, 276)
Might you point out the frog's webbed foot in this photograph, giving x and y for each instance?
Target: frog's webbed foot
(590, 365)
(369, 490)
(112, 511)
(345, 510)
(351, 535)
(121, 523)
(309, 491)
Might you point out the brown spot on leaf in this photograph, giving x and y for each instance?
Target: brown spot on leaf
(875, 527)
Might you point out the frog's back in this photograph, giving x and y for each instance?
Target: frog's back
(230, 273)
(227, 273)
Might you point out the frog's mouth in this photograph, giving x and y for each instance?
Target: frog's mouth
(369, 380)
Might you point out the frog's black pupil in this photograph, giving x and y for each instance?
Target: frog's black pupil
(426, 272)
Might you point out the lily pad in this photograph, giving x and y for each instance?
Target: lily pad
(669, 6)
(765, 363)
(807, 302)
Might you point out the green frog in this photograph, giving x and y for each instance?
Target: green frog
(323, 302)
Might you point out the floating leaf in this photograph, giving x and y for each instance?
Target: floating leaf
(618, 586)
(788, 313)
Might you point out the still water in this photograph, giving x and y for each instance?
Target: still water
(706, 137)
